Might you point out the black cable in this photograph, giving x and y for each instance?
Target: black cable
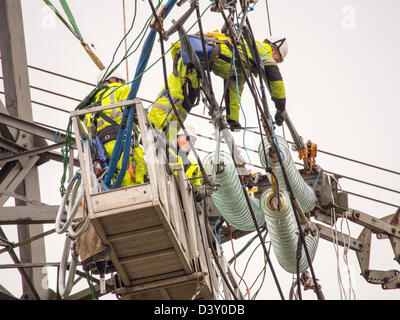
(205, 177)
(264, 100)
(211, 246)
(204, 48)
(298, 257)
(243, 69)
(243, 188)
(248, 261)
(269, 20)
(204, 238)
(301, 164)
(288, 186)
(269, 130)
(258, 232)
(203, 172)
(268, 169)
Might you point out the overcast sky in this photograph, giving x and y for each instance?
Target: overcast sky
(341, 77)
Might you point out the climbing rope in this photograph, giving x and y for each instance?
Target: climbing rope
(70, 204)
(65, 286)
(72, 200)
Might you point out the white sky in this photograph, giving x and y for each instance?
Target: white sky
(340, 76)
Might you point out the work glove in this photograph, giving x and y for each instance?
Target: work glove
(199, 195)
(279, 118)
(234, 125)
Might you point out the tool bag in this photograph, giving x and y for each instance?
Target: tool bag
(197, 46)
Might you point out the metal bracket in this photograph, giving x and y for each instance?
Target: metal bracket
(388, 279)
(178, 24)
(394, 220)
(157, 22)
(389, 225)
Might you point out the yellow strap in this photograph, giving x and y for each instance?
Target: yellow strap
(220, 36)
(92, 56)
(274, 185)
(191, 170)
(255, 189)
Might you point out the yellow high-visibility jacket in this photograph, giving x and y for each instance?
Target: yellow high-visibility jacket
(190, 167)
(113, 93)
(221, 64)
(236, 82)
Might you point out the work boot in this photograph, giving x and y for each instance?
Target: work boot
(279, 118)
(234, 126)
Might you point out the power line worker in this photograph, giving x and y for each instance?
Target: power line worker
(178, 154)
(184, 81)
(103, 127)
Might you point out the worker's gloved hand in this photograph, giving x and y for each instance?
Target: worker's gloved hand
(279, 118)
(234, 125)
(199, 195)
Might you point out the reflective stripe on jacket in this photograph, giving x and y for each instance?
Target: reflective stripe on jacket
(190, 167)
(222, 66)
(161, 114)
(114, 93)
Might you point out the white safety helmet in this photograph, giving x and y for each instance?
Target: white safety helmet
(280, 43)
(191, 131)
(114, 74)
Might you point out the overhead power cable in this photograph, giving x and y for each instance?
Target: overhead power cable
(302, 164)
(232, 33)
(373, 199)
(319, 150)
(360, 162)
(267, 126)
(45, 105)
(248, 149)
(50, 107)
(48, 126)
(55, 93)
(205, 178)
(60, 75)
(269, 19)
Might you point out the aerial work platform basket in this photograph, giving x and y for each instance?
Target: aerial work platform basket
(151, 232)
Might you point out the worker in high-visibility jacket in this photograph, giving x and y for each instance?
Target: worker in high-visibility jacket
(105, 125)
(184, 82)
(178, 154)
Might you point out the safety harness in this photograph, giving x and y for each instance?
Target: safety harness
(174, 156)
(107, 134)
(213, 41)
